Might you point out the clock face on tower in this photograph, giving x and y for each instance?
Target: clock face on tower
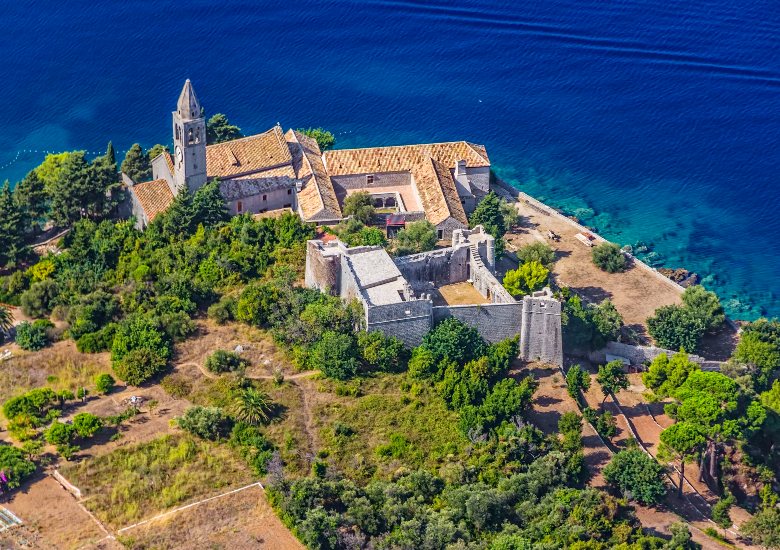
(179, 155)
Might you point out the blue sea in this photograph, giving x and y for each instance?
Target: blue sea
(652, 121)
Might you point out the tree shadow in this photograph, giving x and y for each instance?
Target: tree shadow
(594, 294)
(547, 400)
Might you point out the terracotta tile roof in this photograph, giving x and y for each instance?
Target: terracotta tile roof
(248, 155)
(437, 192)
(317, 198)
(403, 157)
(154, 197)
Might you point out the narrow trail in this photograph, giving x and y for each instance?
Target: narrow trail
(308, 425)
(211, 375)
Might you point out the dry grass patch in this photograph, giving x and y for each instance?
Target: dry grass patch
(137, 482)
(60, 366)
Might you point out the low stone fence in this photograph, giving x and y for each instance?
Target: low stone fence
(640, 355)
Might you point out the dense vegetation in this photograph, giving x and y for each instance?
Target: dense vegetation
(681, 327)
(609, 257)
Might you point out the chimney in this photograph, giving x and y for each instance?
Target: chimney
(460, 168)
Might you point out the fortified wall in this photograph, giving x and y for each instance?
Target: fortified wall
(405, 297)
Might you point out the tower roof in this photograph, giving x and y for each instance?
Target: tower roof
(189, 106)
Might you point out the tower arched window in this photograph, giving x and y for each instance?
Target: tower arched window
(189, 136)
(197, 135)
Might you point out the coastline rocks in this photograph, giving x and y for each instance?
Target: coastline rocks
(681, 276)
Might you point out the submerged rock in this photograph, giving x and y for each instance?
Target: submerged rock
(681, 276)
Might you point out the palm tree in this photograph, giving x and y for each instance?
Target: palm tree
(252, 406)
(6, 320)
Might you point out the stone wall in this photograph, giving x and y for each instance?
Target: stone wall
(540, 338)
(407, 321)
(442, 267)
(322, 272)
(273, 199)
(381, 179)
(446, 228)
(495, 322)
(637, 355)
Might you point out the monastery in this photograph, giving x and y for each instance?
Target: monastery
(274, 170)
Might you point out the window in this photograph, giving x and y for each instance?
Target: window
(440, 234)
(288, 205)
(369, 179)
(239, 207)
(265, 197)
(289, 191)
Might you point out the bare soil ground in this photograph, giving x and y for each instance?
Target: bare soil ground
(636, 293)
(240, 521)
(457, 294)
(53, 518)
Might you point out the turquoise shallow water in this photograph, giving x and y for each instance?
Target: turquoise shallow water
(652, 121)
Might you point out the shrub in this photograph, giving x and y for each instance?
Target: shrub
(676, 328)
(381, 353)
(39, 300)
(59, 433)
(335, 355)
(178, 325)
(526, 279)
(35, 403)
(253, 447)
(704, 305)
(33, 336)
(537, 252)
(325, 139)
(359, 206)
(138, 366)
(577, 379)
(419, 236)
(606, 425)
(96, 342)
(223, 311)
(206, 422)
(609, 257)
(15, 465)
(104, 383)
(87, 424)
(637, 475)
(225, 361)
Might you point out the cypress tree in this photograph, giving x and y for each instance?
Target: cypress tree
(111, 154)
(11, 227)
(31, 197)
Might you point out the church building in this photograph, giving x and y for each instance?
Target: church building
(278, 170)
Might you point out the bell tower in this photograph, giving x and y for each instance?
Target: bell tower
(189, 142)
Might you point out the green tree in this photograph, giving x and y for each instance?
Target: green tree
(40, 298)
(511, 215)
(704, 305)
(33, 336)
(251, 406)
(16, 467)
(676, 328)
(612, 378)
(636, 475)
(577, 379)
(681, 442)
(136, 164)
(79, 191)
(665, 375)
(87, 424)
(12, 227)
(59, 433)
(208, 205)
(30, 196)
(359, 206)
(325, 139)
(335, 355)
(488, 214)
(139, 365)
(526, 279)
(537, 252)
(454, 341)
(50, 169)
(104, 383)
(764, 528)
(609, 257)
(111, 153)
(416, 237)
(155, 151)
(759, 350)
(219, 129)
